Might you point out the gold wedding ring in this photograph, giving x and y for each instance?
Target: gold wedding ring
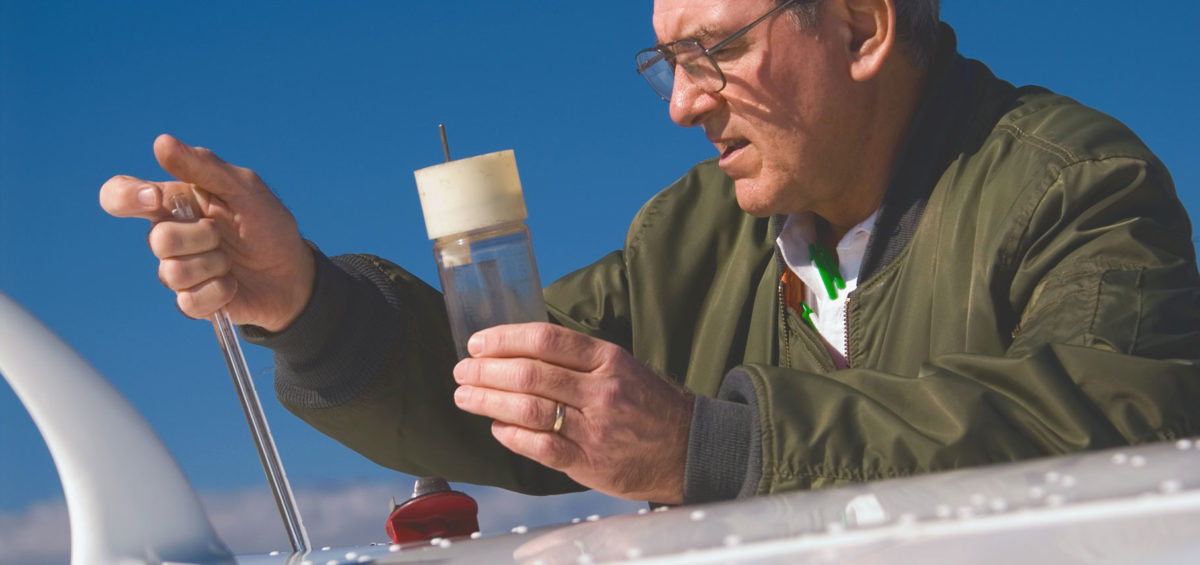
(560, 413)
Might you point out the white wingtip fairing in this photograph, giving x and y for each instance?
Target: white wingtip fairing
(128, 500)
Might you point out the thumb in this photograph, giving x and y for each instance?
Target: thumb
(195, 165)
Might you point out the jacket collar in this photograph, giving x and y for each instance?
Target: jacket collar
(931, 144)
(929, 148)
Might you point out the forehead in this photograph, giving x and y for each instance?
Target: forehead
(704, 20)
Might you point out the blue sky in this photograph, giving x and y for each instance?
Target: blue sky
(336, 103)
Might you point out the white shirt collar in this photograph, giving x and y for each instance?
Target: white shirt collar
(800, 230)
(827, 315)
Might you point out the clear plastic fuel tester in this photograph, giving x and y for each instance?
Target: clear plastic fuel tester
(475, 213)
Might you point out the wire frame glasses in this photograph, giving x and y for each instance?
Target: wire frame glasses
(659, 63)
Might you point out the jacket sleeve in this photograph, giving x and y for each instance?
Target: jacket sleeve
(1105, 354)
(369, 362)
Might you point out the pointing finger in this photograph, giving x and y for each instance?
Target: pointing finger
(195, 165)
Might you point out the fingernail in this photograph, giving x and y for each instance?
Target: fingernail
(475, 344)
(148, 197)
(461, 394)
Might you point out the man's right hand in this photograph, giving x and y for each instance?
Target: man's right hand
(245, 255)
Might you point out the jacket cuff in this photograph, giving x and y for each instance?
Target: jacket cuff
(724, 458)
(332, 349)
(310, 326)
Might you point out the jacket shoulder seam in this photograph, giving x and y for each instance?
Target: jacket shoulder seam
(1064, 154)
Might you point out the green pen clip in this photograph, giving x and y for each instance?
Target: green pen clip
(827, 266)
(806, 315)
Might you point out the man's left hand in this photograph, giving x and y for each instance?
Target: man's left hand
(624, 429)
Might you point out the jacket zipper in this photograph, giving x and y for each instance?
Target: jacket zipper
(846, 333)
(783, 323)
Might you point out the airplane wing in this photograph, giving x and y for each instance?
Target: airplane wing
(129, 503)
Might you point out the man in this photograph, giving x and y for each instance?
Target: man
(898, 264)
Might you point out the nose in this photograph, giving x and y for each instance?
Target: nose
(689, 103)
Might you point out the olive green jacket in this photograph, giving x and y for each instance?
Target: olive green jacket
(1030, 289)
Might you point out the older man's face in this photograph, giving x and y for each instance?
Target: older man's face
(779, 124)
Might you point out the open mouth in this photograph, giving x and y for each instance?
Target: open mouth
(733, 147)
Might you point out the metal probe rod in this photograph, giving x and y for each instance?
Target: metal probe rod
(445, 145)
(184, 208)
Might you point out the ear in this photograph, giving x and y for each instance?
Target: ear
(872, 36)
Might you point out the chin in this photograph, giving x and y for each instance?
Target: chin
(753, 200)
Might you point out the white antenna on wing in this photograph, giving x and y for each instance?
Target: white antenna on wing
(128, 500)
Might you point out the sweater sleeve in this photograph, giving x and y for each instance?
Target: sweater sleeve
(724, 456)
(369, 362)
(327, 354)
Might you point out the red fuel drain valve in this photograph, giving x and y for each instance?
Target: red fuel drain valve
(434, 511)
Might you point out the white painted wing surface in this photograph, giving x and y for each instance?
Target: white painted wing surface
(1136, 505)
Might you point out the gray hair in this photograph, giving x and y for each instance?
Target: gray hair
(916, 26)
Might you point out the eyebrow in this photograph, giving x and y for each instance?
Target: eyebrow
(707, 35)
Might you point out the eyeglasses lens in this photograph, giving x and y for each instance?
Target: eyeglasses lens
(653, 65)
(659, 65)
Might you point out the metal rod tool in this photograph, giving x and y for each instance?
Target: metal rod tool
(183, 207)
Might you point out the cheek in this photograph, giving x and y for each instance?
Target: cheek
(777, 157)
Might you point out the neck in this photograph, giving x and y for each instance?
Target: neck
(892, 101)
